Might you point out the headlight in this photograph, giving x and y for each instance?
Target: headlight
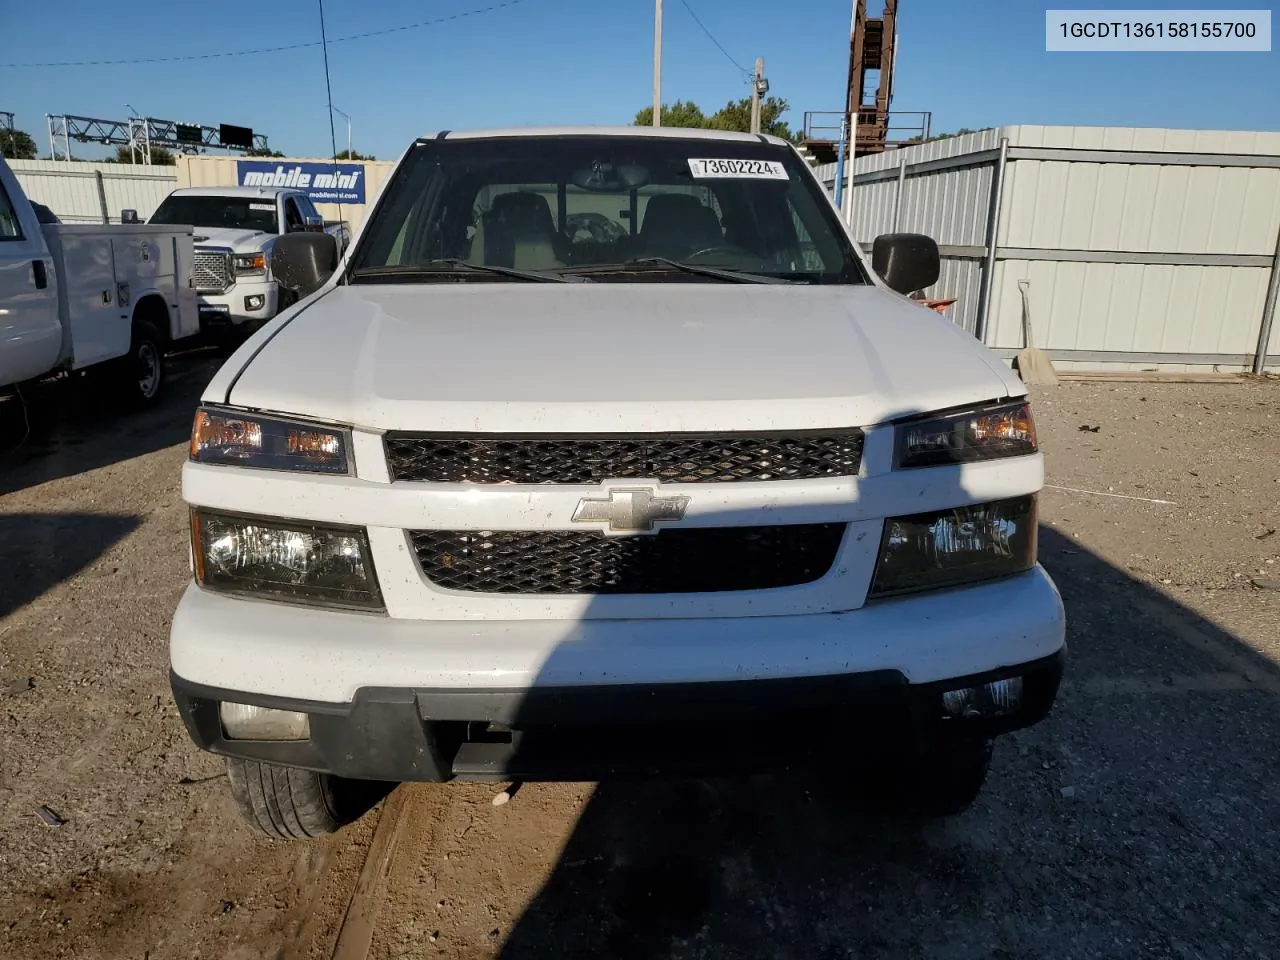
(985, 434)
(320, 565)
(248, 264)
(228, 437)
(951, 547)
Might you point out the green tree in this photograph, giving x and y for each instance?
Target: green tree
(160, 157)
(735, 115)
(678, 114)
(353, 155)
(17, 145)
(263, 152)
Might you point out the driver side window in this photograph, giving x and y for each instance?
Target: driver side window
(9, 226)
(292, 218)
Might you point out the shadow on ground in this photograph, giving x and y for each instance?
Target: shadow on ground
(1137, 821)
(63, 428)
(40, 550)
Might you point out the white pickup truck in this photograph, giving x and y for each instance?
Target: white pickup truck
(112, 299)
(235, 229)
(605, 452)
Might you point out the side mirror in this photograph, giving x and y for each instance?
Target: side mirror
(906, 261)
(129, 216)
(313, 224)
(302, 262)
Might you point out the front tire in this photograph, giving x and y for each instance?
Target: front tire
(285, 803)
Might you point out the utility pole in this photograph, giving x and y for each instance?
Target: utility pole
(347, 117)
(759, 87)
(657, 63)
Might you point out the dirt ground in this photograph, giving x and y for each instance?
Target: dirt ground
(1137, 821)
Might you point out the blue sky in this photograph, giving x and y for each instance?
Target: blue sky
(971, 63)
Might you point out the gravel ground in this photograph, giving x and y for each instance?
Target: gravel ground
(1135, 822)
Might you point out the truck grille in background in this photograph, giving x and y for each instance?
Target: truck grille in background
(585, 459)
(673, 561)
(212, 271)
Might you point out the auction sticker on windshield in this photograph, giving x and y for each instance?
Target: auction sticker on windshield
(752, 169)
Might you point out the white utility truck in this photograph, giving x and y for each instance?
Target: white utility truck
(76, 297)
(235, 230)
(697, 489)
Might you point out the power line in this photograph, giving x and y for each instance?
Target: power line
(260, 50)
(712, 38)
(328, 88)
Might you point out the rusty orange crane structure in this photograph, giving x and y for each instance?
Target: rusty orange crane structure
(871, 48)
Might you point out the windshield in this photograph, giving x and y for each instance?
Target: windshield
(232, 213)
(605, 207)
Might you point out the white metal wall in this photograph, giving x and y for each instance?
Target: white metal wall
(1099, 200)
(70, 189)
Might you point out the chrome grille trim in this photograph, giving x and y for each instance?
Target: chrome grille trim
(211, 270)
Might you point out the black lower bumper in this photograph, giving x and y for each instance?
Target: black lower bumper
(595, 733)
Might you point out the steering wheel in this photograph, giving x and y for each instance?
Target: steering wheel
(718, 248)
(737, 253)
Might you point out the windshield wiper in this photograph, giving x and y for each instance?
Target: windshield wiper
(720, 273)
(447, 265)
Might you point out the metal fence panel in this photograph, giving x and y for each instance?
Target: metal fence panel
(1257, 142)
(1141, 207)
(960, 279)
(1136, 308)
(1104, 193)
(70, 189)
(950, 206)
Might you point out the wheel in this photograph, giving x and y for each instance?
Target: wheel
(945, 780)
(137, 378)
(286, 803)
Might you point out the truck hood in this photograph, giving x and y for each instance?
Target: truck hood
(611, 357)
(241, 241)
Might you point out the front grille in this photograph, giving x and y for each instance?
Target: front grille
(673, 561)
(586, 459)
(212, 271)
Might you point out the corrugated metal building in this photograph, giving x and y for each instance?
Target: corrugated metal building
(94, 192)
(1144, 248)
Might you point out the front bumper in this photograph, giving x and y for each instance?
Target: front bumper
(401, 699)
(219, 311)
(594, 733)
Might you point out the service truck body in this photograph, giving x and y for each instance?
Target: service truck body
(75, 296)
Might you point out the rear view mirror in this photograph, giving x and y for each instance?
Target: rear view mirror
(128, 216)
(302, 262)
(906, 261)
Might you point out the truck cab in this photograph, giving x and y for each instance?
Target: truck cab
(235, 230)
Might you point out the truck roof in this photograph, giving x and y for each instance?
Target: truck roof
(231, 191)
(608, 131)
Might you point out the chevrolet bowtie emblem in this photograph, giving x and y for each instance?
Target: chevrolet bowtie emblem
(630, 509)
